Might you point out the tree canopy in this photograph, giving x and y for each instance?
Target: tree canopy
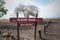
(27, 10)
(3, 11)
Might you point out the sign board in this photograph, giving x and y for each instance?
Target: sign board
(26, 19)
(26, 24)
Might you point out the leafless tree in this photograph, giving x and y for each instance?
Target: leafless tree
(27, 10)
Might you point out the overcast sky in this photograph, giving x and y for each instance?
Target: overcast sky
(47, 8)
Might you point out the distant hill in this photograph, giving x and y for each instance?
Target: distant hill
(52, 19)
(4, 20)
(44, 19)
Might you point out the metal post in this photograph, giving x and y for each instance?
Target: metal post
(45, 29)
(40, 34)
(35, 27)
(18, 38)
(46, 26)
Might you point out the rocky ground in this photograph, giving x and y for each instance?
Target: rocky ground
(52, 32)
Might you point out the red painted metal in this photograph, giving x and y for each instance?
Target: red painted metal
(26, 19)
(26, 24)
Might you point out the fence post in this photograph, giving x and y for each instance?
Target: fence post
(35, 27)
(46, 26)
(18, 38)
(40, 34)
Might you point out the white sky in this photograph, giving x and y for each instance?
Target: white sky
(47, 8)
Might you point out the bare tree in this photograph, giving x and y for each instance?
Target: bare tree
(31, 10)
(27, 10)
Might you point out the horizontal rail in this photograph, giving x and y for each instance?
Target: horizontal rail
(46, 26)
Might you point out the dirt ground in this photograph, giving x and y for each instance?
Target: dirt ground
(27, 33)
